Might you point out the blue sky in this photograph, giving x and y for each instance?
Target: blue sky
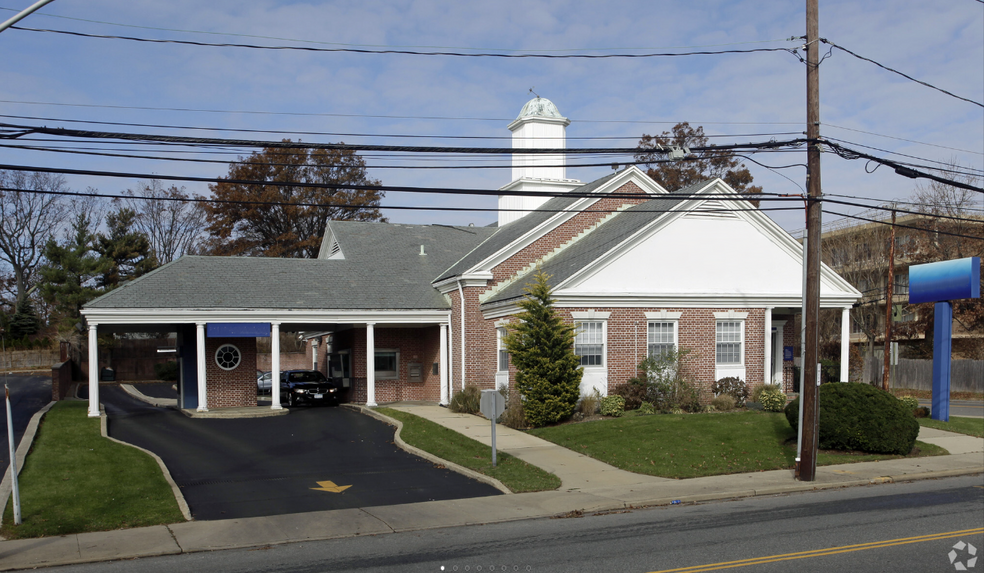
(746, 96)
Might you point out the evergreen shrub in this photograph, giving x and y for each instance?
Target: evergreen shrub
(860, 417)
(612, 406)
(772, 398)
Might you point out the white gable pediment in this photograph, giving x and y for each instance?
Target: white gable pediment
(705, 257)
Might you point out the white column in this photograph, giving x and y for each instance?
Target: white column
(370, 364)
(443, 365)
(845, 343)
(93, 372)
(275, 366)
(769, 367)
(200, 351)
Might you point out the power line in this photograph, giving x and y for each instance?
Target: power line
(902, 138)
(412, 52)
(905, 211)
(380, 135)
(899, 168)
(205, 200)
(946, 166)
(377, 116)
(935, 231)
(390, 188)
(906, 76)
(260, 37)
(894, 201)
(22, 130)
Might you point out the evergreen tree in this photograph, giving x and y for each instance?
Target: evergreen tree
(25, 321)
(69, 278)
(126, 249)
(541, 346)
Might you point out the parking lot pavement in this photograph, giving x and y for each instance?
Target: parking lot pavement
(311, 460)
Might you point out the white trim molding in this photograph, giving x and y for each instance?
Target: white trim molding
(664, 315)
(590, 314)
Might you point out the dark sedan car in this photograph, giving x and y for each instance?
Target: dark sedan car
(306, 387)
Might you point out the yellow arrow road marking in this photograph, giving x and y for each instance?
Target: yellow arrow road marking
(330, 486)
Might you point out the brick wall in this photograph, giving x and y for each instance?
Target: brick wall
(231, 388)
(626, 344)
(421, 345)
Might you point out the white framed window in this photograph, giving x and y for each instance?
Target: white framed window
(661, 337)
(589, 342)
(502, 354)
(228, 357)
(730, 339)
(387, 364)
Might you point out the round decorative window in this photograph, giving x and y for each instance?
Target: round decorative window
(228, 357)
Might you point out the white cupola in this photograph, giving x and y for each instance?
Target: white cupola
(539, 126)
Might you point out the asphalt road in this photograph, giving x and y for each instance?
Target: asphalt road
(907, 527)
(28, 394)
(271, 466)
(967, 408)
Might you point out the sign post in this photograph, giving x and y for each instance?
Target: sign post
(941, 283)
(13, 457)
(492, 406)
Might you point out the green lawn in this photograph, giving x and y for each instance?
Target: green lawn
(693, 445)
(449, 445)
(75, 481)
(969, 426)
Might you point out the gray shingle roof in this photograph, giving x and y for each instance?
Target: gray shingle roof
(382, 269)
(598, 243)
(506, 234)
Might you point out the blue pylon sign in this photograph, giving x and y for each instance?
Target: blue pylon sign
(942, 283)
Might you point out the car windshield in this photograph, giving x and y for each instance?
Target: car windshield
(307, 377)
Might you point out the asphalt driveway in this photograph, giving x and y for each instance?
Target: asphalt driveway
(28, 394)
(269, 466)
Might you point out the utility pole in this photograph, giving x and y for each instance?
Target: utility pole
(888, 306)
(809, 390)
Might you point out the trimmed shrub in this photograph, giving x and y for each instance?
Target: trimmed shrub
(612, 406)
(734, 387)
(633, 392)
(921, 412)
(909, 402)
(772, 399)
(723, 403)
(861, 417)
(166, 371)
(467, 400)
(647, 408)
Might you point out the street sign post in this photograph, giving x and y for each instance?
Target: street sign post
(492, 406)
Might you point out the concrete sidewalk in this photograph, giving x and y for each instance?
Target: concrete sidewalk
(588, 486)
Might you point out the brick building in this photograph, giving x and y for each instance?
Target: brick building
(415, 312)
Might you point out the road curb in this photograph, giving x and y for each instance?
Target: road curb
(427, 455)
(27, 440)
(158, 402)
(178, 496)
